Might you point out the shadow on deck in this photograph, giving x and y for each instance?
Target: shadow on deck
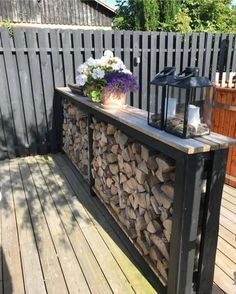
(56, 238)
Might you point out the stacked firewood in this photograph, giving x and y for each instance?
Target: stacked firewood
(75, 137)
(138, 185)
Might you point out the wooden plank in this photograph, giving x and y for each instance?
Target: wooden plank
(234, 57)
(37, 89)
(145, 79)
(224, 281)
(207, 57)
(127, 58)
(57, 67)
(153, 68)
(8, 130)
(228, 214)
(87, 44)
(228, 224)
(1, 247)
(15, 94)
(67, 57)
(108, 40)
(223, 262)
(135, 96)
(77, 54)
(98, 44)
(227, 236)
(117, 43)
(96, 212)
(26, 89)
(215, 56)
(201, 52)
(51, 267)
(229, 56)
(185, 60)
(170, 48)
(229, 198)
(47, 80)
(178, 51)
(193, 53)
(230, 190)
(65, 253)
(228, 205)
(12, 269)
(33, 278)
(91, 270)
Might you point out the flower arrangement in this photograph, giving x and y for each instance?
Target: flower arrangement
(107, 74)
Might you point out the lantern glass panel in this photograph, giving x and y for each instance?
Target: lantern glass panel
(188, 111)
(155, 117)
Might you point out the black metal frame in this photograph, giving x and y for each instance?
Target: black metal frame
(191, 169)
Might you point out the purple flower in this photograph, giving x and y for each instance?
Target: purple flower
(120, 82)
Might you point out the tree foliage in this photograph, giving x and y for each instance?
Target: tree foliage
(176, 15)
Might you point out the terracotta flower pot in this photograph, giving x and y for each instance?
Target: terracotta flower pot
(112, 100)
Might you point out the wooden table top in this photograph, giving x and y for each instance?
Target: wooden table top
(137, 119)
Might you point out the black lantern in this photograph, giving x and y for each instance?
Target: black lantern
(156, 105)
(187, 110)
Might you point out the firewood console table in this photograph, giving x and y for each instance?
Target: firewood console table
(164, 191)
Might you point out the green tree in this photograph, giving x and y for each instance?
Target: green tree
(137, 15)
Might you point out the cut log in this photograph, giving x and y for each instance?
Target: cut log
(155, 205)
(167, 224)
(151, 163)
(141, 188)
(111, 129)
(144, 153)
(140, 176)
(143, 167)
(142, 200)
(161, 198)
(114, 149)
(162, 177)
(114, 169)
(127, 169)
(136, 148)
(130, 213)
(155, 253)
(147, 237)
(125, 154)
(140, 223)
(131, 154)
(161, 243)
(123, 178)
(166, 164)
(109, 182)
(168, 189)
(114, 190)
(152, 180)
(116, 208)
(112, 158)
(161, 269)
(151, 228)
(133, 184)
(143, 245)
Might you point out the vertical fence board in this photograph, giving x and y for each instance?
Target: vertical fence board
(127, 57)
(87, 45)
(6, 113)
(37, 87)
(117, 45)
(57, 67)
(26, 90)
(47, 79)
(215, 56)
(67, 58)
(77, 42)
(170, 49)
(136, 66)
(193, 49)
(153, 67)
(201, 50)
(15, 94)
(98, 44)
(145, 79)
(229, 55)
(234, 56)
(207, 56)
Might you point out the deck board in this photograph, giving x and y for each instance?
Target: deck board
(56, 238)
(55, 242)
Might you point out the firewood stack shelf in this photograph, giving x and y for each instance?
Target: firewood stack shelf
(163, 191)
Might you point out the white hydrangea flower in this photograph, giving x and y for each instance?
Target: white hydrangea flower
(91, 62)
(108, 54)
(81, 79)
(82, 68)
(98, 73)
(127, 71)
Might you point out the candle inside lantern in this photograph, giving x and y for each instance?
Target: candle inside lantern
(194, 115)
(171, 111)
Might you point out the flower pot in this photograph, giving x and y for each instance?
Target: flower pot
(113, 100)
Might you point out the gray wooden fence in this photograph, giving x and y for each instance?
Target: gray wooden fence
(79, 12)
(35, 61)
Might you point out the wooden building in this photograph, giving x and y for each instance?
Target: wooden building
(64, 12)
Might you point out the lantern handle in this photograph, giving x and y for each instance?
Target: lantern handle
(166, 72)
(178, 78)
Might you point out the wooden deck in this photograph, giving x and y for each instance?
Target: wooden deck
(225, 268)
(56, 238)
